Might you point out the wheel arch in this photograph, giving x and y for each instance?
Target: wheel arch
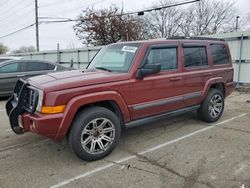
(217, 83)
(109, 99)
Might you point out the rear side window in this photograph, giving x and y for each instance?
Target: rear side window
(36, 66)
(167, 57)
(219, 54)
(195, 56)
(51, 67)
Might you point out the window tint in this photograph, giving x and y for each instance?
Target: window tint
(219, 54)
(10, 68)
(167, 57)
(36, 66)
(51, 67)
(195, 56)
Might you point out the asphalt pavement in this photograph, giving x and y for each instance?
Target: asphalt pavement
(179, 152)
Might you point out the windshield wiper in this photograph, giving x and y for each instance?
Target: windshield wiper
(103, 68)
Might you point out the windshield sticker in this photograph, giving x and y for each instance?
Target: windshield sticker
(129, 49)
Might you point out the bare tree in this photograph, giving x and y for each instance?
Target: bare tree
(24, 49)
(163, 23)
(208, 17)
(3, 48)
(105, 26)
(203, 17)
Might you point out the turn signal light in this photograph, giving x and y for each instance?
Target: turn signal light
(53, 109)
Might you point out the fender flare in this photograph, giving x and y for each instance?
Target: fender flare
(208, 84)
(77, 102)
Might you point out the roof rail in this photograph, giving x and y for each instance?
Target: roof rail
(196, 38)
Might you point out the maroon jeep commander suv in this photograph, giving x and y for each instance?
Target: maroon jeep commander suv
(126, 84)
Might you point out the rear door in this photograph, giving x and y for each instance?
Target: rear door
(9, 74)
(196, 71)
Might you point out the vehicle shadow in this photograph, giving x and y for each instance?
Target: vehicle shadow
(4, 98)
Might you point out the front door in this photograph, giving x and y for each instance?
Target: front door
(160, 92)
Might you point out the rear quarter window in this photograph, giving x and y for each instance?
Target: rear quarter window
(219, 54)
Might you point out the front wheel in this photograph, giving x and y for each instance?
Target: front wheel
(212, 107)
(94, 134)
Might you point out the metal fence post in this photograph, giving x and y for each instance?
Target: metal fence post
(58, 53)
(240, 59)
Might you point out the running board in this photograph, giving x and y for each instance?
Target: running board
(158, 117)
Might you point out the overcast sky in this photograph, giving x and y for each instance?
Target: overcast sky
(16, 14)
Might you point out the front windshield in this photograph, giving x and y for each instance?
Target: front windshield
(115, 58)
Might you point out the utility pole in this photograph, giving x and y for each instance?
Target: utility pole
(37, 29)
(237, 23)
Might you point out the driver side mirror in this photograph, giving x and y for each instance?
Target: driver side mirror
(148, 69)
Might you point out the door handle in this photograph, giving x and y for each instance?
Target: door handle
(175, 78)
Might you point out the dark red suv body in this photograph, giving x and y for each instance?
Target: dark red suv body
(136, 81)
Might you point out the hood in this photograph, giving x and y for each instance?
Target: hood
(77, 78)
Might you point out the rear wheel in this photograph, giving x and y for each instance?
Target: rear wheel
(94, 134)
(212, 107)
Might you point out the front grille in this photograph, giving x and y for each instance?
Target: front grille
(30, 99)
(18, 87)
(27, 95)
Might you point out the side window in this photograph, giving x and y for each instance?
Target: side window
(51, 67)
(195, 56)
(36, 66)
(10, 68)
(219, 54)
(167, 57)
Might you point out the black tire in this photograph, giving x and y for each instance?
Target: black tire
(83, 121)
(204, 112)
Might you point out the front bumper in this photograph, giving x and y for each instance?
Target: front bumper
(45, 125)
(24, 99)
(21, 109)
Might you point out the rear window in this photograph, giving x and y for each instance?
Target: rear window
(51, 67)
(195, 56)
(219, 54)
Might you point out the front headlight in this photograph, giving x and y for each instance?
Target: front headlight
(40, 100)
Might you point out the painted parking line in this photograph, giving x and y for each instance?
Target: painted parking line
(109, 165)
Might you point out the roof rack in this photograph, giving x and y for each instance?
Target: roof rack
(196, 38)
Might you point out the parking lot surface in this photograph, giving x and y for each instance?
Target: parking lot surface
(177, 152)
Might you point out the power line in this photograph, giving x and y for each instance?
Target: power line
(6, 1)
(13, 7)
(71, 20)
(17, 31)
(50, 4)
(11, 14)
(141, 12)
(8, 22)
(74, 9)
(138, 12)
